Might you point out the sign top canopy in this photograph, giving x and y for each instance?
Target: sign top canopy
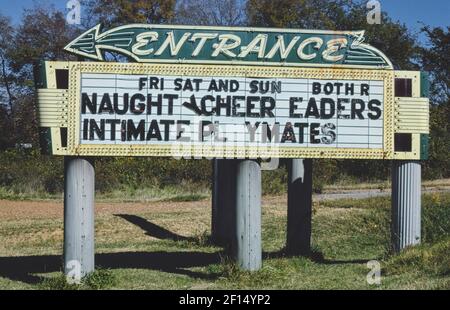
(220, 45)
(231, 93)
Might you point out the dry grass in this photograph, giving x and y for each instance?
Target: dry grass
(164, 245)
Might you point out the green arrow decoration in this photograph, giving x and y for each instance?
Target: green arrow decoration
(91, 43)
(225, 45)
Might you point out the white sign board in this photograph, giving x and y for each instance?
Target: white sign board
(204, 110)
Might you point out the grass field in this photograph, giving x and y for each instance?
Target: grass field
(165, 245)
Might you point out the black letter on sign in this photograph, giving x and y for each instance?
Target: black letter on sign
(123, 130)
(178, 84)
(154, 82)
(365, 89)
(223, 103)
(85, 128)
(106, 105)
(236, 105)
(323, 108)
(288, 134)
(125, 104)
(134, 132)
(141, 104)
(251, 106)
(157, 104)
(312, 109)
(142, 81)
(328, 88)
(267, 109)
(113, 123)
(86, 102)
(170, 99)
(166, 124)
(203, 105)
(293, 107)
(301, 131)
(328, 132)
(193, 105)
(314, 131)
(374, 106)
(253, 87)
(316, 88)
(358, 111)
(154, 127)
(95, 129)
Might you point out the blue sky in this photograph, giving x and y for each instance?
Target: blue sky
(410, 12)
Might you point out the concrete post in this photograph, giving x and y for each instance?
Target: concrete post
(223, 202)
(247, 245)
(79, 181)
(406, 204)
(299, 207)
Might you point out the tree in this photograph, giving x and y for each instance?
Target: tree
(211, 12)
(391, 37)
(6, 96)
(112, 13)
(307, 14)
(6, 125)
(435, 60)
(26, 123)
(41, 35)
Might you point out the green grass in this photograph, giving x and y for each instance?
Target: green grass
(431, 259)
(125, 194)
(99, 279)
(273, 184)
(29, 194)
(346, 235)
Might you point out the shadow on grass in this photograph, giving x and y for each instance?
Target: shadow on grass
(24, 268)
(315, 256)
(159, 232)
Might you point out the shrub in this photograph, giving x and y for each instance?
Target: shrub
(435, 217)
(274, 182)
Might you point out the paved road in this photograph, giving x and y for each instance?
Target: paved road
(367, 193)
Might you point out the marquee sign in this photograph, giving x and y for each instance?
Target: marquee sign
(183, 102)
(253, 46)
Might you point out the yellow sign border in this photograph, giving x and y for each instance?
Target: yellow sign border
(210, 151)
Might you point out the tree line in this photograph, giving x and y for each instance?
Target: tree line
(43, 32)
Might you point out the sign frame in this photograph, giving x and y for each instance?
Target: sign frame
(70, 115)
